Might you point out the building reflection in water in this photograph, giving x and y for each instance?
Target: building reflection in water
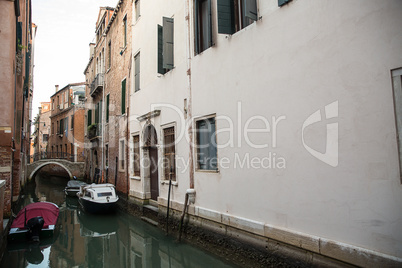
(116, 240)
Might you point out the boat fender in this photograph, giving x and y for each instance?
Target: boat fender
(108, 198)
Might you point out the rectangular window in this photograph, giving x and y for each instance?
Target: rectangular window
(203, 25)
(234, 15)
(136, 147)
(45, 137)
(72, 121)
(107, 107)
(109, 54)
(169, 161)
(89, 117)
(125, 31)
(122, 155)
(53, 104)
(397, 87)
(53, 130)
(137, 72)
(137, 10)
(206, 144)
(61, 129)
(97, 113)
(123, 97)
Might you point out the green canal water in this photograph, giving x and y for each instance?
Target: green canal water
(85, 240)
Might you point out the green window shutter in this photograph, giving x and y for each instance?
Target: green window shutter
(168, 36)
(137, 72)
(226, 23)
(107, 107)
(161, 70)
(89, 117)
(61, 130)
(123, 96)
(283, 2)
(250, 9)
(100, 112)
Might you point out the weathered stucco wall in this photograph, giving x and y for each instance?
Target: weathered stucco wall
(334, 177)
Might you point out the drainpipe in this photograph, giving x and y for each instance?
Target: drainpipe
(103, 68)
(190, 192)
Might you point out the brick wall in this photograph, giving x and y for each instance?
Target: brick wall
(120, 68)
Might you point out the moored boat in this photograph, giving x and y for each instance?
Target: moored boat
(73, 187)
(34, 221)
(98, 198)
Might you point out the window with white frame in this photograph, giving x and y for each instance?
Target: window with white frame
(234, 15)
(206, 144)
(169, 153)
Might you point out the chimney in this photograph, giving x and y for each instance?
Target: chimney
(57, 88)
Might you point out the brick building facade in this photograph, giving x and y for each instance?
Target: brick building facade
(108, 75)
(16, 41)
(42, 130)
(66, 138)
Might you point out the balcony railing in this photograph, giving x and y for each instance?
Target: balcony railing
(53, 155)
(97, 84)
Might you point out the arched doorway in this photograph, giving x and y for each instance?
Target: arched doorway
(151, 149)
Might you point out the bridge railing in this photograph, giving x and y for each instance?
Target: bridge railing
(52, 155)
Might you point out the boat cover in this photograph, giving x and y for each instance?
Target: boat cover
(75, 184)
(48, 211)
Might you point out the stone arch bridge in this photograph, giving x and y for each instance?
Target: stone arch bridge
(72, 168)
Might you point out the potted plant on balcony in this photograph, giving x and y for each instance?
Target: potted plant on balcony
(92, 131)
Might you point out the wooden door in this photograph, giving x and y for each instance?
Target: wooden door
(153, 157)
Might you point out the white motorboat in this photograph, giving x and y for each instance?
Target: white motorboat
(98, 198)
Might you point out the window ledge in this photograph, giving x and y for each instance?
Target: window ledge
(174, 183)
(207, 171)
(136, 178)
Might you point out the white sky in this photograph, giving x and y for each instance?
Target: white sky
(65, 29)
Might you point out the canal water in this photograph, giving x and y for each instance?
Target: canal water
(85, 240)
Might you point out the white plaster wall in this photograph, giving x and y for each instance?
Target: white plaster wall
(157, 90)
(295, 60)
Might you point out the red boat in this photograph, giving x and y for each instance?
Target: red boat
(35, 221)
